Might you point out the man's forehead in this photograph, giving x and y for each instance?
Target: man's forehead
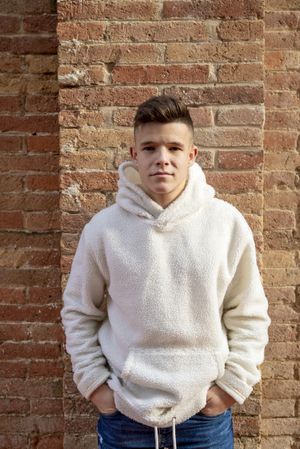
(173, 132)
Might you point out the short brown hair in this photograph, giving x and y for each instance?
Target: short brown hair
(163, 109)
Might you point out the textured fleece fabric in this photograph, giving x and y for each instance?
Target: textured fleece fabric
(185, 303)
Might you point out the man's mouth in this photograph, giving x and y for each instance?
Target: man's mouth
(161, 174)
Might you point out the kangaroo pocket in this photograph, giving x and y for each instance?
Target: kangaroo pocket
(160, 379)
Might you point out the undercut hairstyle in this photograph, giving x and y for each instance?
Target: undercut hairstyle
(163, 109)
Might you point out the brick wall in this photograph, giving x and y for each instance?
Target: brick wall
(220, 58)
(31, 413)
(281, 387)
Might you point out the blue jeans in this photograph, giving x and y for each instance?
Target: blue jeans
(117, 431)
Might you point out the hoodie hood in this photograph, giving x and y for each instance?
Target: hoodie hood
(133, 199)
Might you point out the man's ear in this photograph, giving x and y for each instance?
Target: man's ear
(193, 154)
(133, 153)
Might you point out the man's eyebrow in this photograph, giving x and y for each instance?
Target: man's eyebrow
(150, 142)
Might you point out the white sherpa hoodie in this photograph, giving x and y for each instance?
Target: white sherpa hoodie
(185, 303)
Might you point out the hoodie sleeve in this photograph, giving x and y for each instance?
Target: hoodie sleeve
(246, 320)
(82, 318)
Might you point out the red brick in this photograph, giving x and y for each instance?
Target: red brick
(104, 181)
(13, 369)
(146, 53)
(281, 161)
(78, 425)
(280, 141)
(44, 295)
(26, 7)
(278, 408)
(234, 182)
(286, 40)
(15, 332)
(32, 124)
(31, 313)
(228, 137)
(11, 220)
(279, 180)
(28, 350)
(282, 120)
(37, 64)
(285, 295)
(46, 368)
(42, 144)
(30, 201)
(11, 63)
(284, 99)
(6, 43)
(283, 332)
(160, 74)
(9, 24)
(40, 23)
(106, 96)
(239, 160)
(83, 31)
(240, 30)
(281, 20)
(74, 222)
(44, 162)
(210, 10)
(10, 104)
(81, 76)
(107, 10)
(236, 115)
(49, 407)
(29, 258)
(282, 80)
(47, 332)
(233, 73)
(34, 45)
(246, 426)
(201, 117)
(42, 221)
(282, 312)
(42, 182)
(197, 96)
(30, 241)
(87, 159)
(13, 441)
(41, 103)
(21, 277)
(53, 442)
(280, 426)
(10, 143)
(11, 183)
(281, 60)
(12, 296)
(160, 31)
(214, 52)
(79, 118)
(42, 85)
(14, 405)
(29, 424)
(281, 389)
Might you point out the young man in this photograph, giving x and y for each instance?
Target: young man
(186, 320)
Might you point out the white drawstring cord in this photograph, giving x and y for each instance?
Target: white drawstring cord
(156, 437)
(174, 433)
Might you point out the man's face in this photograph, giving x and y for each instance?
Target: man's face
(163, 153)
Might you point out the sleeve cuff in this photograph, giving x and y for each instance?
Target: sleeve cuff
(89, 385)
(236, 388)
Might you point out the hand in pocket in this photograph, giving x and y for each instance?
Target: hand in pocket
(103, 399)
(217, 401)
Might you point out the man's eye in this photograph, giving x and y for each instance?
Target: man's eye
(175, 149)
(148, 148)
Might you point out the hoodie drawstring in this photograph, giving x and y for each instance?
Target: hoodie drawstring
(173, 434)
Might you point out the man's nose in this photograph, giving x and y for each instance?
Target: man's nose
(162, 156)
